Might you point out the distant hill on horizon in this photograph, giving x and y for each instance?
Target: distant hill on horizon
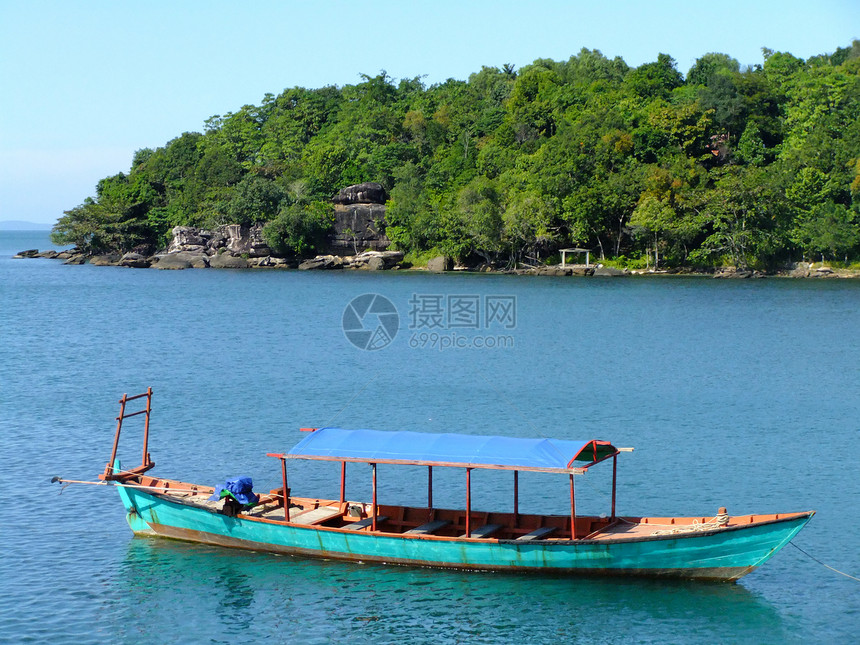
(21, 225)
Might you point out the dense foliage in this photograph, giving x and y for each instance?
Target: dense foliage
(753, 166)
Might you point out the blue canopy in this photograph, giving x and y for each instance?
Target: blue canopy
(429, 449)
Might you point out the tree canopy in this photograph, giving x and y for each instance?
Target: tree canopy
(749, 166)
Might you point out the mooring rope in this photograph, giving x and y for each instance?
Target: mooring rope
(827, 566)
(718, 521)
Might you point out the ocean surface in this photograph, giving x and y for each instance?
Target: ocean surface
(744, 394)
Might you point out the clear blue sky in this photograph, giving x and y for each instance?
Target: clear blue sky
(85, 83)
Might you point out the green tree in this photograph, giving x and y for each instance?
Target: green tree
(751, 148)
(655, 80)
(299, 228)
(479, 209)
(747, 213)
(255, 200)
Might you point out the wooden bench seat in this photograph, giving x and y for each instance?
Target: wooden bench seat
(538, 534)
(363, 524)
(430, 527)
(485, 531)
(316, 515)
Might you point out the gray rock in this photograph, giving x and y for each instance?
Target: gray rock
(440, 263)
(358, 227)
(218, 239)
(374, 264)
(272, 262)
(185, 237)
(135, 261)
(554, 271)
(227, 261)
(239, 240)
(322, 262)
(174, 261)
(76, 258)
(609, 272)
(107, 260)
(48, 254)
(265, 263)
(369, 192)
(30, 253)
(823, 272)
(734, 274)
(374, 260)
(244, 240)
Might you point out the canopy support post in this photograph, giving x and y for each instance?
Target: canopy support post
(468, 502)
(572, 510)
(614, 473)
(145, 459)
(516, 497)
(286, 491)
(429, 493)
(373, 505)
(342, 482)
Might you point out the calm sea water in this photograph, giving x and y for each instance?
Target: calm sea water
(744, 394)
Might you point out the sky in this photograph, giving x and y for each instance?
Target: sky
(85, 84)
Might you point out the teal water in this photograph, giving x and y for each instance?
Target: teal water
(744, 394)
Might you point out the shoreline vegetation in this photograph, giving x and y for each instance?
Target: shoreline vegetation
(756, 168)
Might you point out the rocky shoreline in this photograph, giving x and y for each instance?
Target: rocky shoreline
(231, 252)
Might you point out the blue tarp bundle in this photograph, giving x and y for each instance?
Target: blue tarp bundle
(509, 452)
(240, 488)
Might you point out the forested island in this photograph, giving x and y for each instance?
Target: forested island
(753, 167)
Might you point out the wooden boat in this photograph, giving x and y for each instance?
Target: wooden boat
(716, 548)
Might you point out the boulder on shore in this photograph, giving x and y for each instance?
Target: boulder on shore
(29, 253)
(227, 261)
(374, 260)
(107, 260)
(738, 274)
(553, 270)
(327, 262)
(823, 272)
(609, 271)
(440, 263)
(135, 261)
(271, 262)
(178, 261)
(238, 240)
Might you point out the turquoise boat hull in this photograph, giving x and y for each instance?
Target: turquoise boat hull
(720, 554)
